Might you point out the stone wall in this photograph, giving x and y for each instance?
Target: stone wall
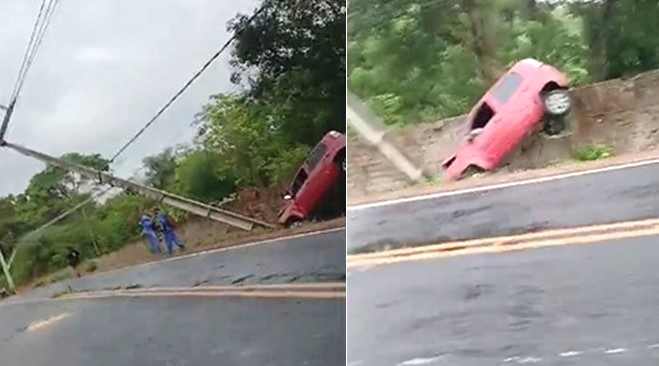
(620, 113)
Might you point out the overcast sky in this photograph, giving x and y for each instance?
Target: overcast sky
(103, 70)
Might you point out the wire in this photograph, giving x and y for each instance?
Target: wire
(36, 39)
(188, 83)
(28, 50)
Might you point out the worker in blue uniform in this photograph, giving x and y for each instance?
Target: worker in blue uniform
(167, 227)
(149, 233)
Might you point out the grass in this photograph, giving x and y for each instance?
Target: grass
(433, 179)
(593, 152)
(90, 265)
(60, 276)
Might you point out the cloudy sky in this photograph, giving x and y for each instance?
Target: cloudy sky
(104, 68)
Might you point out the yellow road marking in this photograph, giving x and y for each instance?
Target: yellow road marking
(582, 235)
(44, 323)
(255, 294)
(294, 287)
(305, 290)
(324, 290)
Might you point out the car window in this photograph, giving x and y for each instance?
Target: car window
(299, 180)
(316, 155)
(507, 87)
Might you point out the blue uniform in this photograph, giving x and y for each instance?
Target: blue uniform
(168, 232)
(149, 232)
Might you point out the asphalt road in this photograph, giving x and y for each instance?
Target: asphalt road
(621, 195)
(570, 305)
(189, 330)
(318, 258)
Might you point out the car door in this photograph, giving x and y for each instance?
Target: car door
(316, 184)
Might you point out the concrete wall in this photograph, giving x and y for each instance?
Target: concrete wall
(622, 114)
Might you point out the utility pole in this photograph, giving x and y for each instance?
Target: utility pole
(103, 178)
(9, 110)
(5, 270)
(373, 131)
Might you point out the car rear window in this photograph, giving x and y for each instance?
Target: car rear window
(316, 155)
(507, 87)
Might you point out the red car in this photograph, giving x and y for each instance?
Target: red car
(529, 93)
(319, 187)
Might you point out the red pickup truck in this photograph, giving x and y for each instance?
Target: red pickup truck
(319, 187)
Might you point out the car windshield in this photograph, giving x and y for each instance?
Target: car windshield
(315, 156)
(507, 87)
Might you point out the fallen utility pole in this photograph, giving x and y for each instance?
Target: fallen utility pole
(194, 207)
(368, 126)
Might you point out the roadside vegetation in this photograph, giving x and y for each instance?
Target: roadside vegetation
(416, 61)
(289, 68)
(593, 152)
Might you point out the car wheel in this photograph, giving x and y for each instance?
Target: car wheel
(554, 126)
(472, 171)
(557, 102)
(292, 224)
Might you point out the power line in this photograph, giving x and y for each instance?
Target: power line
(36, 38)
(38, 35)
(30, 44)
(188, 83)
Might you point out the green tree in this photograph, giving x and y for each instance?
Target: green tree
(414, 61)
(292, 60)
(198, 177)
(160, 169)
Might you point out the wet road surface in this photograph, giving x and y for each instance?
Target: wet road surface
(571, 305)
(599, 198)
(189, 330)
(175, 331)
(318, 258)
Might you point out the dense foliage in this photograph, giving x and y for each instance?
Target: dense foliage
(416, 61)
(289, 64)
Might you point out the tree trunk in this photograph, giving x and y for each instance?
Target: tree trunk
(600, 39)
(482, 40)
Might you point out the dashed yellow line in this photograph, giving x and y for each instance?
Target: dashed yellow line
(582, 235)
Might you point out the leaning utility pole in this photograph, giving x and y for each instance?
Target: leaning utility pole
(194, 207)
(369, 127)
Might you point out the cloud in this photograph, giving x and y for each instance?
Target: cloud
(104, 69)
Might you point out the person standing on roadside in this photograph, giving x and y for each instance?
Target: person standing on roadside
(73, 258)
(149, 233)
(167, 226)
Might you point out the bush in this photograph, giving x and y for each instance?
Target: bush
(60, 276)
(593, 152)
(90, 265)
(283, 167)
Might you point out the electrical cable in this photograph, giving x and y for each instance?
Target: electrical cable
(188, 83)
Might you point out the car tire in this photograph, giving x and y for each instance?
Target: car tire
(557, 102)
(341, 161)
(293, 223)
(554, 126)
(472, 171)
